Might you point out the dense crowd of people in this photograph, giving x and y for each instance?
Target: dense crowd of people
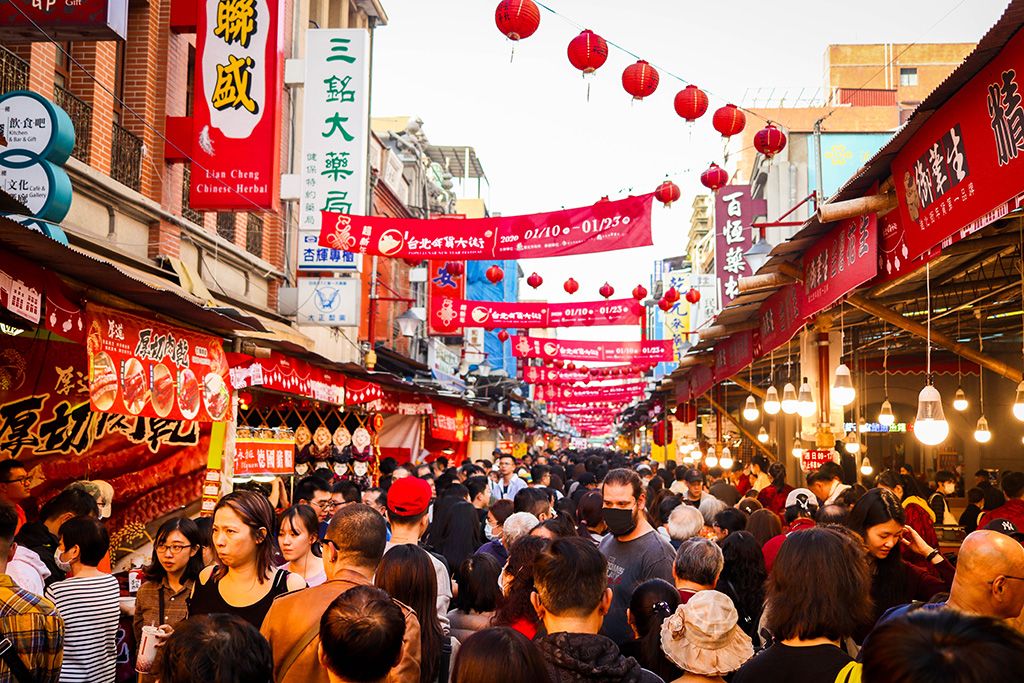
(568, 567)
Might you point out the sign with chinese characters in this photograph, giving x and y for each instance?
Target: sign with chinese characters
(735, 211)
(703, 312)
(63, 21)
(144, 367)
(564, 394)
(334, 138)
(650, 351)
(287, 375)
(812, 459)
(732, 355)
(442, 358)
(446, 314)
(441, 284)
(539, 375)
(839, 262)
(329, 301)
(236, 120)
(37, 137)
(965, 162)
(677, 318)
(263, 451)
(605, 226)
(450, 423)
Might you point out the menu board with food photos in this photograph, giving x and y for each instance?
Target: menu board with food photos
(144, 367)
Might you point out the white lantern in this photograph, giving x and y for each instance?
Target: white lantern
(772, 406)
(805, 401)
(931, 427)
(789, 401)
(843, 392)
(750, 412)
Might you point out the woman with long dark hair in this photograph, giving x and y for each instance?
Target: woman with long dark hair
(460, 533)
(163, 597)
(499, 649)
(478, 596)
(919, 515)
(773, 497)
(880, 520)
(652, 603)
(743, 578)
(244, 581)
(588, 511)
(516, 579)
(298, 537)
(407, 575)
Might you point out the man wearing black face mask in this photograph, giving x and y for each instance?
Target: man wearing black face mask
(635, 551)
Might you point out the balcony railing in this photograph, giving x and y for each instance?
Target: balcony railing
(254, 235)
(126, 157)
(81, 116)
(13, 72)
(187, 212)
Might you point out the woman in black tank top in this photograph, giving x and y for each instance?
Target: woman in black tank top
(244, 581)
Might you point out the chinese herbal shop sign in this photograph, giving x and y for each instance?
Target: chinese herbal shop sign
(144, 367)
(966, 161)
(447, 314)
(36, 21)
(650, 351)
(236, 124)
(734, 213)
(605, 226)
(335, 136)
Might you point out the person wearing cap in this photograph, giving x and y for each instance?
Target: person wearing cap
(801, 506)
(1013, 509)
(586, 483)
(703, 639)
(352, 550)
(693, 494)
(408, 500)
(508, 483)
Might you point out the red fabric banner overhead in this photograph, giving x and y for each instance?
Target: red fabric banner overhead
(535, 375)
(144, 367)
(236, 127)
(966, 161)
(442, 285)
(652, 351)
(448, 314)
(449, 423)
(287, 375)
(605, 226)
(560, 393)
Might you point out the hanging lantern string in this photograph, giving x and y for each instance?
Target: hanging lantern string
(928, 294)
(660, 68)
(981, 371)
(885, 362)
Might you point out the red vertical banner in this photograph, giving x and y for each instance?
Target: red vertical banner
(735, 211)
(236, 122)
(445, 286)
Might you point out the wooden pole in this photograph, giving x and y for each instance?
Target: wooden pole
(698, 359)
(852, 208)
(721, 411)
(719, 331)
(757, 283)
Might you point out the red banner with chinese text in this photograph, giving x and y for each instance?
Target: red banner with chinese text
(442, 285)
(735, 211)
(144, 367)
(287, 375)
(605, 226)
(236, 125)
(264, 456)
(575, 394)
(652, 351)
(447, 314)
(450, 423)
(536, 375)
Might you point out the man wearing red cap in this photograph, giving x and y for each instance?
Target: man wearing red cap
(408, 500)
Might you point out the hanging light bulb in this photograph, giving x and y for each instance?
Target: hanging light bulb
(688, 460)
(885, 416)
(789, 402)
(762, 435)
(862, 425)
(851, 444)
(960, 400)
(843, 392)
(865, 467)
(726, 460)
(710, 459)
(798, 448)
(931, 427)
(981, 431)
(750, 412)
(772, 406)
(1018, 403)
(805, 402)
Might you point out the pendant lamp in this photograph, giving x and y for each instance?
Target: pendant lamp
(805, 401)
(789, 400)
(865, 467)
(725, 462)
(750, 412)
(843, 392)
(772, 406)
(960, 400)
(885, 416)
(762, 435)
(930, 426)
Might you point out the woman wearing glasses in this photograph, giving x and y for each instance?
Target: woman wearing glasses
(161, 600)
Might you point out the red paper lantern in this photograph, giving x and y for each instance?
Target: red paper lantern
(455, 268)
(559, 364)
(412, 262)
(667, 193)
(588, 52)
(672, 295)
(664, 304)
(639, 292)
(693, 295)
(640, 80)
(535, 281)
(769, 141)
(606, 291)
(571, 286)
(495, 274)
(584, 369)
(570, 366)
(729, 120)
(691, 102)
(502, 336)
(517, 19)
(714, 178)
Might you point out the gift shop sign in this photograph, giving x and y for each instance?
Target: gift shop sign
(605, 226)
(447, 314)
(236, 125)
(959, 169)
(143, 367)
(650, 351)
(255, 455)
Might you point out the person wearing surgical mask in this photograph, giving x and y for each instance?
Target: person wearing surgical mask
(494, 531)
(945, 488)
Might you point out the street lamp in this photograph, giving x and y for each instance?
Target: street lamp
(757, 255)
(484, 369)
(409, 322)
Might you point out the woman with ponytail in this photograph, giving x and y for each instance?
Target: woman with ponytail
(773, 497)
(652, 603)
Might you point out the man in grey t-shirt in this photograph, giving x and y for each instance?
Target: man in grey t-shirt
(634, 550)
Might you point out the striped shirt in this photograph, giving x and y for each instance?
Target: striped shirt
(35, 629)
(89, 606)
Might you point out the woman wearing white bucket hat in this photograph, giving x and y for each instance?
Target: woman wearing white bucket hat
(703, 639)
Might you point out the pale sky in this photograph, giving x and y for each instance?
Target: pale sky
(544, 146)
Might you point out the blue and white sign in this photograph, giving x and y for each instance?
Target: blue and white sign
(313, 257)
(329, 301)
